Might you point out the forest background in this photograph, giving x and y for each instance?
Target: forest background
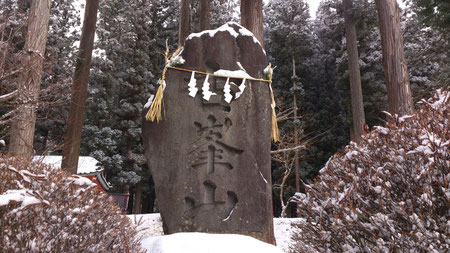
(127, 64)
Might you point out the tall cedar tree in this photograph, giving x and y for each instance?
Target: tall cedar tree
(72, 135)
(60, 57)
(184, 21)
(394, 64)
(23, 126)
(355, 77)
(252, 18)
(123, 76)
(205, 14)
(56, 77)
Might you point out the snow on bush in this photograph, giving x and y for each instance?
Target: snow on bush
(47, 210)
(389, 193)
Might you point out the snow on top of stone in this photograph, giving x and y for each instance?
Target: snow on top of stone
(231, 30)
(224, 28)
(86, 164)
(233, 73)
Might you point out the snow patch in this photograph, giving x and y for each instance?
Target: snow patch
(86, 164)
(233, 73)
(241, 67)
(263, 177)
(285, 229)
(149, 228)
(149, 101)
(147, 224)
(227, 28)
(224, 28)
(81, 181)
(177, 60)
(23, 196)
(382, 130)
(206, 243)
(229, 215)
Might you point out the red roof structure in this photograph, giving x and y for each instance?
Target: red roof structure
(89, 167)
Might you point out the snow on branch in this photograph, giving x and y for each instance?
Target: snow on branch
(389, 192)
(9, 96)
(23, 196)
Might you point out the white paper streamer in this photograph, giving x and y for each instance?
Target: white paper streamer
(192, 85)
(241, 89)
(226, 91)
(205, 88)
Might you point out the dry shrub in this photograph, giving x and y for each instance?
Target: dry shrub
(48, 210)
(389, 193)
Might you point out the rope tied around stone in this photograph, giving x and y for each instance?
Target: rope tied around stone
(155, 110)
(221, 76)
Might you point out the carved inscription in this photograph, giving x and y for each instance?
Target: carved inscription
(210, 159)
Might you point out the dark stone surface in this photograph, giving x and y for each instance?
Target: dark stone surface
(210, 160)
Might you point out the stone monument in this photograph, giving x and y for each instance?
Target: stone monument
(210, 154)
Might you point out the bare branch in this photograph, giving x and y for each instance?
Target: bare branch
(284, 115)
(9, 96)
(300, 147)
(279, 119)
(287, 172)
(277, 160)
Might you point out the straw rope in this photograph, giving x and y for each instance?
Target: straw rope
(155, 110)
(204, 73)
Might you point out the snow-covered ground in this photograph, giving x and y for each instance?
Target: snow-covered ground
(150, 229)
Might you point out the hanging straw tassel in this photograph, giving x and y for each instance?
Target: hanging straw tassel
(274, 131)
(156, 107)
(155, 111)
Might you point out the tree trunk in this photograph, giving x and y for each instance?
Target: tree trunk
(184, 22)
(394, 64)
(205, 14)
(137, 207)
(23, 126)
(354, 74)
(72, 135)
(252, 18)
(296, 162)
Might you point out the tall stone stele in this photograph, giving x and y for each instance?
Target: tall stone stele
(210, 159)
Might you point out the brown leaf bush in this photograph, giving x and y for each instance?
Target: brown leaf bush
(387, 193)
(47, 210)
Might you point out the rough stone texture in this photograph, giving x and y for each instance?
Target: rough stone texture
(210, 160)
